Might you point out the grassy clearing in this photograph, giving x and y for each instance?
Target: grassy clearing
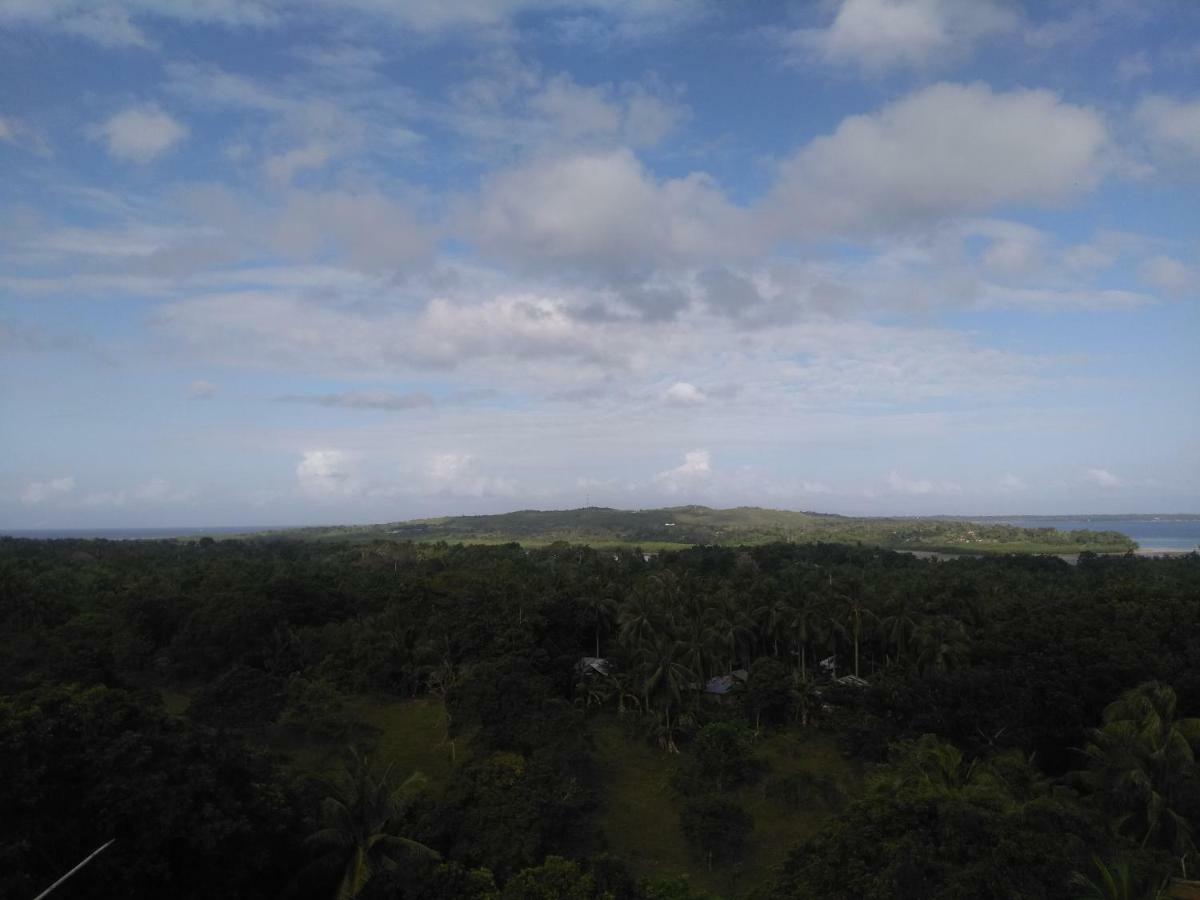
(409, 735)
(639, 812)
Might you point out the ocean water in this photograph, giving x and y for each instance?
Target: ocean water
(129, 534)
(1151, 533)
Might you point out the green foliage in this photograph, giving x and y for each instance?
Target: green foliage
(1142, 767)
(720, 756)
(315, 708)
(240, 697)
(188, 807)
(768, 693)
(716, 828)
(360, 815)
(683, 525)
(1000, 661)
(555, 879)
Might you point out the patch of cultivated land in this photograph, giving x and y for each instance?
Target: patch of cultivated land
(639, 810)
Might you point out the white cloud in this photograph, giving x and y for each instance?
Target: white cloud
(381, 400)
(682, 393)
(1088, 257)
(1172, 126)
(946, 150)
(1011, 483)
(154, 492)
(159, 490)
(20, 134)
(285, 166)
(899, 484)
(460, 475)
(328, 473)
(201, 390)
(40, 491)
(106, 498)
(109, 26)
(604, 211)
(140, 134)
(694, 472)
(1103, 477)
(1169, 275)
(1133, 66)
(881, 34)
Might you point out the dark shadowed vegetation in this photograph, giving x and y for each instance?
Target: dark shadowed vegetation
(389, 719)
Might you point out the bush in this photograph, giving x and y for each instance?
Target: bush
(716, 828)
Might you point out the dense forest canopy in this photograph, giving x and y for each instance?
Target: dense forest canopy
(984, 727)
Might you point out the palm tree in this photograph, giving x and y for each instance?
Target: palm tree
(849, 621)
(359, 818)
(899, 623)
(1115, 882)
(930, 766)
(1142, 761)
(697, 645)
(773, 615)
(639, 618)
(664, 678)
(730, 624)
(807, 615)
(941, 643)
(597, 601)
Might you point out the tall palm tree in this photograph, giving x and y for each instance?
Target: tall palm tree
(359, 818)
(772, 616)
(697, 645)
(639, 617)
(899, 623)
(807, 617)
(1115, 882)
(665, 676)
(730, 624)
(600, 606)
(851, 617)
(1141, 761)
(941, 643)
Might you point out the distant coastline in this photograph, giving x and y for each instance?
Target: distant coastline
(134, 534)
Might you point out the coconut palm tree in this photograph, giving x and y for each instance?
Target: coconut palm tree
(1142, 761)
(807, 617)
(730, 624)
(359, 818)
(850, 617)
(899, 623)
(772, 616)
(941, 643)
(639, 618)
(665, 676)
(1115, 882)
(697, 645)
(600, 606)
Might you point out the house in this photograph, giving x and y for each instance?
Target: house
(720, 685)
(592, 665)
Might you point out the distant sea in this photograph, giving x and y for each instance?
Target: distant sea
(129, 534)
(1151, 532)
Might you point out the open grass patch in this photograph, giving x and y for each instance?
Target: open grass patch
(409, 735)
(639, 810)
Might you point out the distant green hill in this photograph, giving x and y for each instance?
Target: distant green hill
(683, 526)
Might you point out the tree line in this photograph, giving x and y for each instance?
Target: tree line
(1020, 716)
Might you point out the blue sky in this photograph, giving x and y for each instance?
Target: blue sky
(275, 262)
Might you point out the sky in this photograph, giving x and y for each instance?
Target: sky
(303, 261)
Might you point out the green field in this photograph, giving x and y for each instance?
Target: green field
(639, 811)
